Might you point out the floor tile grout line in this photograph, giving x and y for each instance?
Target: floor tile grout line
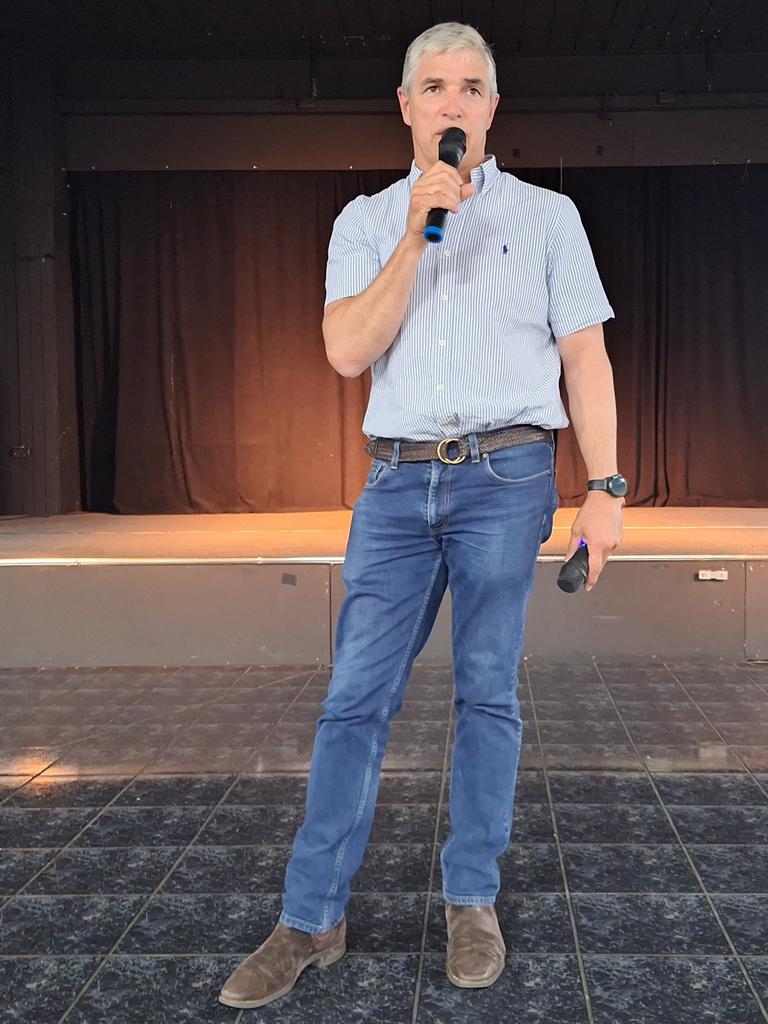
(108, 955)
(713, 909)
(558, 845)
(447, 755)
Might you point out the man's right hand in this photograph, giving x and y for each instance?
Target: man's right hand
(438, 188)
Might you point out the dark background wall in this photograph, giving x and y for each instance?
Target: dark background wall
(93, 86)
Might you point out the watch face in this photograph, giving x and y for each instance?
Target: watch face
(617, 485)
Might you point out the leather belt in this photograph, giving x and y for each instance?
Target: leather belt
(452, 450)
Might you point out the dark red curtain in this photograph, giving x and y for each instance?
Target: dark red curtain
(202, 379)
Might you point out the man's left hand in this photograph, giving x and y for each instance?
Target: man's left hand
(599, 524)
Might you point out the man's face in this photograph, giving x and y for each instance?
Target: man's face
(449, 89)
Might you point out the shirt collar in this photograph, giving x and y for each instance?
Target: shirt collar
(483, 177)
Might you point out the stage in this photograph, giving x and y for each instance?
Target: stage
(91, 589)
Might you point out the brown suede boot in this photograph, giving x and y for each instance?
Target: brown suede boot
(476, 950)
(275, 967)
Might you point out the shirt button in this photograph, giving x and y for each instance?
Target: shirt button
(439, 387)
(441, 341)
(444, 298)
(447, 253)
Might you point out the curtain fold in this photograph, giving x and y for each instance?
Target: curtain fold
(203, 384)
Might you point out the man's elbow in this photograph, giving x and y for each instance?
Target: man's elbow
(337, 349)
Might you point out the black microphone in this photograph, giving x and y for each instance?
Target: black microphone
(453, 146)
(575, 571)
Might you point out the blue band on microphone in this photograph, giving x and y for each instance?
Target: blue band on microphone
(433, 233)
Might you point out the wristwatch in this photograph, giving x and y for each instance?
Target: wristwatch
(615, 485)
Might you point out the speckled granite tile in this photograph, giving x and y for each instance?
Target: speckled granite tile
(144, 826)
(642, 990)
(403, 823)
(175, 790)
(534, 989)
(679, 710)
(727, 788)
(591, 755)
(284, 788)
(757, 967)
(647, 923)
(582, 732)
(230, 869)
(133, 989)
(613, 823)
(720, 825)
(37, 827)
(594, 709)
(746, 918)
(682, 732)
(628, 869)
(532, 823)
(45, 925)
(385, 923)
(530, 923)
(523, 867)
(394, 868)
(601, 788)
(356, 988)
(83, 871)
(39, 989)
(253, 825)
(18, 866)
(732, 868)
(203, 923)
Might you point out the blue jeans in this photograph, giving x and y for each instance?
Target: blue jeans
(417, 527)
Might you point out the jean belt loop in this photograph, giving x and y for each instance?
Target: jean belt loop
(395, 460)
(473, 447)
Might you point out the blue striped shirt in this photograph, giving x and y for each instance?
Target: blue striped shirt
(476, 348)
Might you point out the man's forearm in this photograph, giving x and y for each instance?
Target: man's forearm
(592, 407)
(359, 329)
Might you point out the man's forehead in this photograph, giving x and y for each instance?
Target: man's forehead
(453, 64)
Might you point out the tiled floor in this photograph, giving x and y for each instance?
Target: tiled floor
(146, 819)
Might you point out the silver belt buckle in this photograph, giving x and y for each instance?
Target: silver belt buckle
(444, 457)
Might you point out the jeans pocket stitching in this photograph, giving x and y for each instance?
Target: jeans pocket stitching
(517, 480)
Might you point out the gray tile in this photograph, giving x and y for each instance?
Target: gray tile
(628, 868)
(642, 990)
(534, 989)
(647, 923)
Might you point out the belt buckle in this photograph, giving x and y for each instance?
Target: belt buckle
(446, 458)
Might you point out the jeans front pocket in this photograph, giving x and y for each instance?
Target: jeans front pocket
(375, 473)
(519, 464)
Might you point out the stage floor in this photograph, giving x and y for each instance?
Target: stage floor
(649, 533)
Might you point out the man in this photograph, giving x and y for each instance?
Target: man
(466, 339)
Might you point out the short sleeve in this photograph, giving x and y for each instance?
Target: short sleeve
(576, 295)
(353, 263)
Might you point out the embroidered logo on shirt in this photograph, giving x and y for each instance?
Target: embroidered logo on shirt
(504, 250)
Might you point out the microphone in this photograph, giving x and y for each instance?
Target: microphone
(453, 146)
(575, 571)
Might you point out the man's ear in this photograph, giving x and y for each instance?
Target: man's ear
(402, 97)
(493, 110)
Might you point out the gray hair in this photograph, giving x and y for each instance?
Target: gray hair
(442, 38)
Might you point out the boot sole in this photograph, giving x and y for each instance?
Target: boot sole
(322, 961)
(474, 984)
